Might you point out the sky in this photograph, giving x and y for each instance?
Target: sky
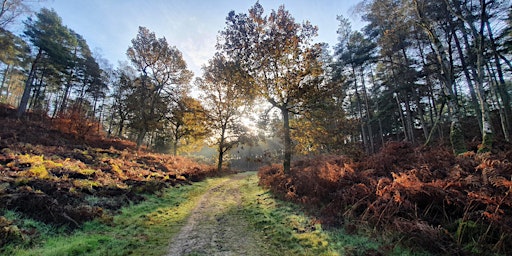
(191, 25)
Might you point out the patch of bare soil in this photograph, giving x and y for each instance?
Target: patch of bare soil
(215, 226)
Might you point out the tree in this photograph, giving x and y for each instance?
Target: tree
(14, 54)
(96, 81)
(50, 38)
(162, 70)
(441, 64)
(426, 15)
(321, 130)
(146, 110)
(123, 87)
(355, 54)
(225, 86)
(278, 55)
(188, 123)
(76, 68)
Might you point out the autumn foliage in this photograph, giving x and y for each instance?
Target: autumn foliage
(424, 197)
(53, 173)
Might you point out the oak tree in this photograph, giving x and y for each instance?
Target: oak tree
(162, 71)
(280, 58)
(225, 96)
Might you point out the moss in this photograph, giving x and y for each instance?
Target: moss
(487, 142)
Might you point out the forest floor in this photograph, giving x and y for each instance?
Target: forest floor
(216, 226)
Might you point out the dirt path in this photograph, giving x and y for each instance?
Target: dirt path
(215, 227)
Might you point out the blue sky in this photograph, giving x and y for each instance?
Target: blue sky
(192, 26)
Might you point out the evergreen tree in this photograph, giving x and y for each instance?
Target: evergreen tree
(50, 38)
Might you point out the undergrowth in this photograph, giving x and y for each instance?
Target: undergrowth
(418, 197)
(62, 173)
(140, 229)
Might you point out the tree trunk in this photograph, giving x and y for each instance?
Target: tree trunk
(221, 148)
(120, 128)
(487, 134)
(7, 94)
(94, 106)
(430, 96)
(401, 114)
(469, 80)
(4, 78)
(220, 159)
(379, 121)
(500, 107)
(176, 140)
(81, 96)
(140, 136)
(110, 124)
(122, 118)
(55, 106)
(22, 108)
(410, 127)
(368, 113)
(421, 114)
(35, 102)
(287, 159)
(501, 86)
(65, 98)
(100, 117)
(361, 116)
(175, 148)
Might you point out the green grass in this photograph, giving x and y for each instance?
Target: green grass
(141, 229)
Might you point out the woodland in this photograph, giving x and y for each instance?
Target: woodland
(401, 129)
